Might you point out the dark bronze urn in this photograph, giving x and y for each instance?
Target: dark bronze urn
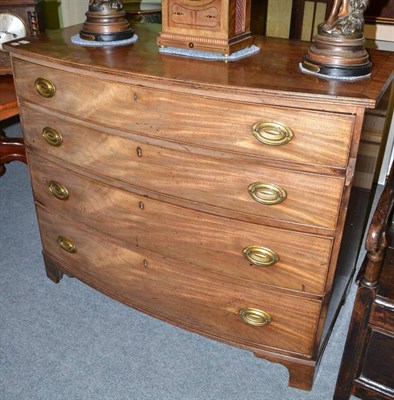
(106, 21)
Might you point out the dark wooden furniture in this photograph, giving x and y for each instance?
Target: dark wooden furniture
(8, 102)
(210, 195)
(380, 11)
(258, 22)
(143, 12)
(11, 149)
(367, 369)
(297, 17)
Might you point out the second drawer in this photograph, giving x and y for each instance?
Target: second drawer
(250, 188)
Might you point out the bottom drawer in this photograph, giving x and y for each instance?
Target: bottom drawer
(176, 292)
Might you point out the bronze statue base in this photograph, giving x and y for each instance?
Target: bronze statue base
(106, 26)
(337, 56)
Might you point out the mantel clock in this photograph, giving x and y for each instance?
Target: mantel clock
(211, 25)
(18, 18)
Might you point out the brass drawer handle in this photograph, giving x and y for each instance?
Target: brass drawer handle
(45, 87)
(52, 136)
(66, 244)
(260, 256)
(267, 193)
(272, 133)
(254, 316)
(58, 190)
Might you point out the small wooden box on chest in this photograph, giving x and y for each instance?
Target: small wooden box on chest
(212, 25)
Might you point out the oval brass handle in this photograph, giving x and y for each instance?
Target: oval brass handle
(52, 136)
(58, 190)
(272, 133)
(45, 87)
(267, 193)
(66, 244)
(254, 316)
(260, 256)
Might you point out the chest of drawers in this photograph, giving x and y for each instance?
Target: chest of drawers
(210, 195)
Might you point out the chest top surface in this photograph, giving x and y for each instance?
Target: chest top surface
(272, 73)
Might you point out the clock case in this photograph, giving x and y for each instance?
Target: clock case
(31, 12)
(221, 26)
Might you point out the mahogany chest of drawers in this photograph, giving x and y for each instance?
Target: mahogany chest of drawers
(210, 195)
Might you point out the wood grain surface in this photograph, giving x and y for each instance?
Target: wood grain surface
(208, 305)
(183, 174)
(204, 240)
(270, 77)
(319, 138)
(158, 154)
(8, 102)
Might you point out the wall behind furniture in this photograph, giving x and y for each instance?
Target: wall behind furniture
(279, 16)
(52, 14)
(73, 12)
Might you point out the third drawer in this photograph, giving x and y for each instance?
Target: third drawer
(270, 256)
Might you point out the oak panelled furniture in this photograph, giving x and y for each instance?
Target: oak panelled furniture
(367, 368)
(211, 195)
(11, 149)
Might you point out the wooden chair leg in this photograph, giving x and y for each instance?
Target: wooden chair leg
(11, 149)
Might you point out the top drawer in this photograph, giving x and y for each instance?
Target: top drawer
(269, 132)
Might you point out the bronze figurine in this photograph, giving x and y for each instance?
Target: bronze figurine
(346, 18)
(106, 21)
(338, 48)
(339, 10)
(105, 6)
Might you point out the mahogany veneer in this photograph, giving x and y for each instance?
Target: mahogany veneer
(11, 149)
(210, 195)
